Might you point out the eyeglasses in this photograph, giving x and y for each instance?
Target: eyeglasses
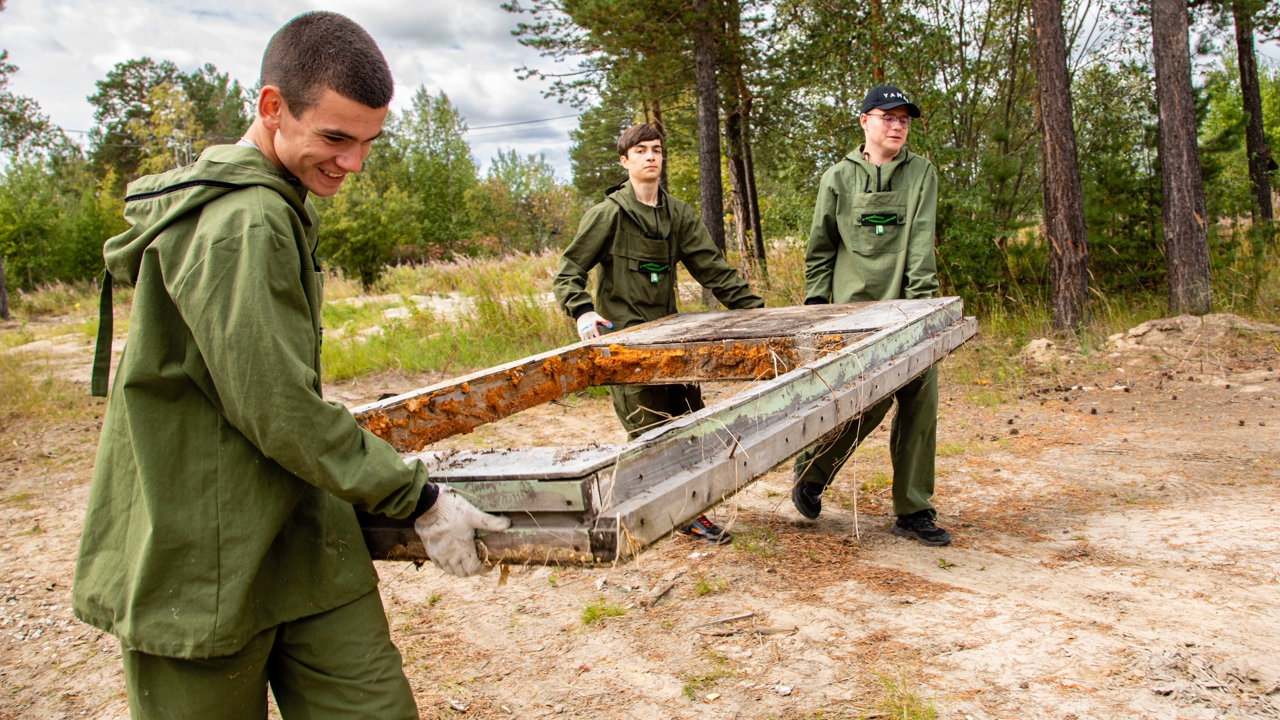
(892, 120)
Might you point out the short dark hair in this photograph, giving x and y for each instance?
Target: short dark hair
(324, 50)
(636, 134)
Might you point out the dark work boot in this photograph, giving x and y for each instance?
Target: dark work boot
(807, 498)
(920, 526)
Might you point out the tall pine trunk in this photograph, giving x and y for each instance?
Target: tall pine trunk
(1254, 137)
(741, 97)
(661, 127)
(704, 69)
(1186, 244)
(753, 199)
(1063, 205)
(737, 181)
(4, 294)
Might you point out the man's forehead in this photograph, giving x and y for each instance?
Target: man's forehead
(900, 110)
(649, 144)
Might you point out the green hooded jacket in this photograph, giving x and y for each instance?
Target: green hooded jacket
(872, 234)
(636, 247)
(221, 499)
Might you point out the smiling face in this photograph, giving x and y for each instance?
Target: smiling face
(329, 140)
(888, 140)
(643, 161)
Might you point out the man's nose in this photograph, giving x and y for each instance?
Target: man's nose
(350, 160)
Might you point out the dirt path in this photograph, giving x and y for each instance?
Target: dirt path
(1117, 556)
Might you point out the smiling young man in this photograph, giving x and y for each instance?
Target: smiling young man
(872, 239)
(220, 544)
(636, 237)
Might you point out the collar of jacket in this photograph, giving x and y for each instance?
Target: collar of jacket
(883, 173)
(654, 221)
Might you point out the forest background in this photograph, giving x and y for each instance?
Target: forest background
(773, 87)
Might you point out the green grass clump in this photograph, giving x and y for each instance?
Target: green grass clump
(694, 682)
(599, 609)
(710, 586)
(902, 701)
(756, 542)
(879, 480)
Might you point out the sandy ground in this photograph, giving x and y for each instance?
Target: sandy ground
(1117, 555)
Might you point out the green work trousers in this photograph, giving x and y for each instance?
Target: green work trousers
(335, 664)
(642, 408)
(913, 440)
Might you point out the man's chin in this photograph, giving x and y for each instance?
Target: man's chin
(324, 186)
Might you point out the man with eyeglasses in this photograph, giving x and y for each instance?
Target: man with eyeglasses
(872, 240)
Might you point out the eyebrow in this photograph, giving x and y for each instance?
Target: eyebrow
(327, 132)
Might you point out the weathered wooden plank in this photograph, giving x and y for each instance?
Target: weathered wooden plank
(636, 493)
(535, 463)
(507, 496)
(414, 420)
(536, 545)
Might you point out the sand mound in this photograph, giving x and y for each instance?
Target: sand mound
(1184, 331)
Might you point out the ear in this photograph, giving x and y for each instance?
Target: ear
(622, 159)
(270, 106)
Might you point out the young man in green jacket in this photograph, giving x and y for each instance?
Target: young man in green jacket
(220, 544)
(872, 239)
(635, 238)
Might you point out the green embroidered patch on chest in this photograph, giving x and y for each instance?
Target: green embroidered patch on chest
(654, 268)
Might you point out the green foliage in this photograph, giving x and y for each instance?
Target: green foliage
(23, 128)
(1119, 176)
(54, 217)
(520, 207)
(126, 102)
(594, 155)
(362, 224)
(437, 171)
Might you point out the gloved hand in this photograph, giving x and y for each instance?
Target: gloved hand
(448, 530)
(589, 325)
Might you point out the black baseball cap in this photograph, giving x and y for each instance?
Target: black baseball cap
(887, 97)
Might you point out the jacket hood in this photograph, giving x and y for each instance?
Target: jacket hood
(154, 202)
(883, 174)
(655, 222)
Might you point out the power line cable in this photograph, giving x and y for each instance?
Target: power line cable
(523, 122)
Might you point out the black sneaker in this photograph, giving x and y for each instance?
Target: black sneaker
(807, 497)
(703, 529)
(920, 526)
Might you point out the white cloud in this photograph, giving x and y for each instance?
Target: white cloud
(464, 48)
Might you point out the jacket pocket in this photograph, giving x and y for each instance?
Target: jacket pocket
(872, 223)
(642, 269)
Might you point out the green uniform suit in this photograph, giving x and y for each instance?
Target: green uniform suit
(635, 248)
(872, 239)
(221, 500)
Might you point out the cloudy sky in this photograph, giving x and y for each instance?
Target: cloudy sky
(63, 47)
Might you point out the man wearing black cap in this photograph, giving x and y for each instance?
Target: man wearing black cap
(872, 239)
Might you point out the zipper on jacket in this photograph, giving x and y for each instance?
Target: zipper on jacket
(183, 186)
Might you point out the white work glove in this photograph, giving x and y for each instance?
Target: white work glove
(589, 326)
(448, 530)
